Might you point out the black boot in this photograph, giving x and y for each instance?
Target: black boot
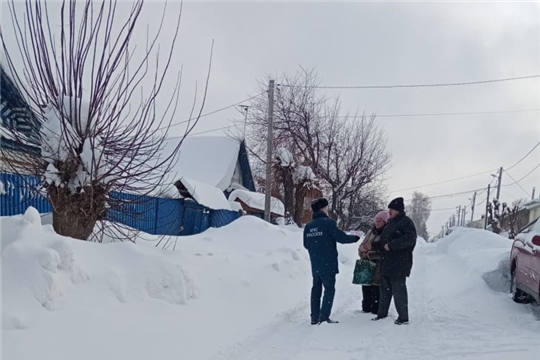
(366, 299)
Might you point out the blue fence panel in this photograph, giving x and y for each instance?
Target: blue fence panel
(20, 192)
(156, 216)
(195, 219)
(169, 215)
(136, 211)
(221, 218)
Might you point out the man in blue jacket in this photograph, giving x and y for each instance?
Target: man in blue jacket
(321, 236)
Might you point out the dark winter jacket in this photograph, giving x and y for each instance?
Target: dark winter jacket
(400, 235)
(321, 236)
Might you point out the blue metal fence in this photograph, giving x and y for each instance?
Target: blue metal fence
(20, 192)
(157, 216)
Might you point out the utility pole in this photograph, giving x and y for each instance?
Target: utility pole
(245, 108)
(459, 216)
(463, 216)
(499, 183)
(472, 207)
(533, 193)
(487, 206)
(269, 148)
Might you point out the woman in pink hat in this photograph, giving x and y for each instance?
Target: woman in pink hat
(370, 294)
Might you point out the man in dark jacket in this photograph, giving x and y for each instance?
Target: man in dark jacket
(396, 246)
(321, 236)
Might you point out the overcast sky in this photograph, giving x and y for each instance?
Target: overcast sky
(386, 44)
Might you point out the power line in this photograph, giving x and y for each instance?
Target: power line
(444, 114)
(480, 203)
(201, 132)
(523, 158)
(473, 175)
(444, 182)
(210, 113)
(452, 195)
(451, 208)
(420, 85)
(212, 130)
(524, 177)
(516, 182)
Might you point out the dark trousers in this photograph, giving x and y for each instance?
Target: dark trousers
(370, 299)
(394, 287)
(319, 312)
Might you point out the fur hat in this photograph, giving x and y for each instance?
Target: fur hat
(317, 205)
(397, 204)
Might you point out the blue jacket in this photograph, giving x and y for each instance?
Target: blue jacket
(321, 236)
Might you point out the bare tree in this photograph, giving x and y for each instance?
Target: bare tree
(419, 211)
(496, 213)
(344, 153)
(503, 217)
(284, 170)
(102, 131)
(353, 156)
(515, 218)
(364, 205)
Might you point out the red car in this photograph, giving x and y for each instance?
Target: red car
(525, 264)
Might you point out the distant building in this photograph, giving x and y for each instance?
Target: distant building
(531, 210)
(208, 169)
(219, 161)
(253, 203)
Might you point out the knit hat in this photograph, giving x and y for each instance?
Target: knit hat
(319, 204)
(382, 216)
(397, 204)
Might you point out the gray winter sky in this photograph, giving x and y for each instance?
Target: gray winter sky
(387, 44)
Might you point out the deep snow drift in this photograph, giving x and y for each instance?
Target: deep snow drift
(241, 292)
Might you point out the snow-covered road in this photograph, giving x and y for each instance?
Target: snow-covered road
(241, 293)
(449, 320)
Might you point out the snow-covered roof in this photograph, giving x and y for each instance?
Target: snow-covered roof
(206, 195)
(207, 159)
(256, 201)
(531, 204)
(235, 205)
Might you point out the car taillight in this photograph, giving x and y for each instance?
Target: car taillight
(536, 240)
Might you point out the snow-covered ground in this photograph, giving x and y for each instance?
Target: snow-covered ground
(242, 292)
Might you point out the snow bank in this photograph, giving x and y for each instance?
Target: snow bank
(63, 296)
(42, 271)
(479, 256)
(135, 301)
(256, 201)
